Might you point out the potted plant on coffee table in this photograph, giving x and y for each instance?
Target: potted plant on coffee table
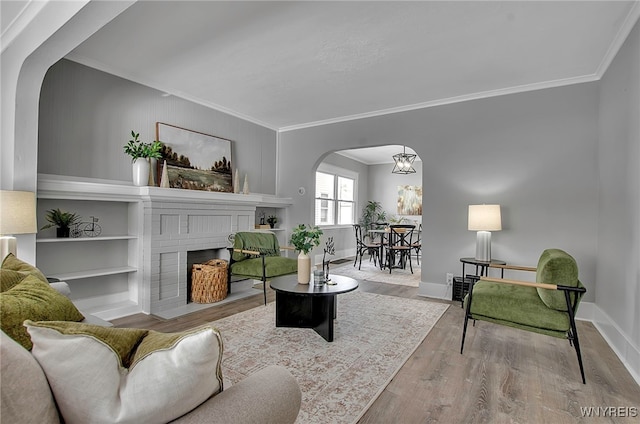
(304, 239)
(62, 220)
(140, 153)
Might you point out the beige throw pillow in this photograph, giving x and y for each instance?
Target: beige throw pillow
(119, 375)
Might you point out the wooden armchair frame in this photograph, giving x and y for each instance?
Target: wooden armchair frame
(572, 332)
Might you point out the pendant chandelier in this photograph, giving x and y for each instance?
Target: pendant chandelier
(403, 162)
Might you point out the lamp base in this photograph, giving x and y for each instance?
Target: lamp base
(8, 245)
(483, 246)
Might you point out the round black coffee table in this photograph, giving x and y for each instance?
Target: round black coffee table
(309, 306)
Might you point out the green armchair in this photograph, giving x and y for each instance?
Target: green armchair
(256, 255)
(547, 306)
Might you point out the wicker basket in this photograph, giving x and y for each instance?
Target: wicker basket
(209, 281)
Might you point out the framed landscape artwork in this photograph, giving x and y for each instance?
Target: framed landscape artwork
(409, 200)
(195, 161)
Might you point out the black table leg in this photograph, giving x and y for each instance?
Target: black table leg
(316, 312)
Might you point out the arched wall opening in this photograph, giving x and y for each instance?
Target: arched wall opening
(371, 166)
(46, 35)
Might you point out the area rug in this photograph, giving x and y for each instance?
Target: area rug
(374, 335)
(370, 272)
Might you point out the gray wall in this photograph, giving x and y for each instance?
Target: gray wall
(384, 187)
(86, 117)
(534, 153)
(618, 276)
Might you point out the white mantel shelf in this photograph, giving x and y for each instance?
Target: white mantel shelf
(74, 188)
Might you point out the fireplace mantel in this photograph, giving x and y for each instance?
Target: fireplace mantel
(66, 187)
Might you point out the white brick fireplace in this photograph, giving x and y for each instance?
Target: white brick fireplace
(177, 222)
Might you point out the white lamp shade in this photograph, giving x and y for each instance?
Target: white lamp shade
(17, 212)
(485, 218)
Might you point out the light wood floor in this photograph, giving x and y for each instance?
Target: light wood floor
(504, 376)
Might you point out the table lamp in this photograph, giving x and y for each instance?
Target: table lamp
(17, 216)
(484, 219)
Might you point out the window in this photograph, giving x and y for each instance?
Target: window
(335, 197)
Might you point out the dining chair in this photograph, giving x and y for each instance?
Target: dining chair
(362, 247)
(399, 246)
(416, 245)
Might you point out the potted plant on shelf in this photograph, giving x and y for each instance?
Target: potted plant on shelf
(62, 220)
(304, 239)
(140, 154)
(272, 220)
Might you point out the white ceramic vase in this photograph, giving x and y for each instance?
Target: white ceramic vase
(304, 268)
(140, 172)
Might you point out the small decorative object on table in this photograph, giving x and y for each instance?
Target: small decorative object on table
(272, 220)
(318, 277)
(331, 250)
(304, 239)
(62, 220)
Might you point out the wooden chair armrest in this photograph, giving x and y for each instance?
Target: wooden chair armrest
(248, 252)
(520, 283)
(514, 267)
(287, 248)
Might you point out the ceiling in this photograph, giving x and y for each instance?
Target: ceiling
(377, 155)
(288, 65)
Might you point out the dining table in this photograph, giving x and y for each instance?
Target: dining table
(380, 235)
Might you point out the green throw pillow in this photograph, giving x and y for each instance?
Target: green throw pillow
(104, 374)
(33, 299)
(555, 266)
(12, 263)
(9, 278)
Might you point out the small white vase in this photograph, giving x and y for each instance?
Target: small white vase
(304, 268)
(140, 172)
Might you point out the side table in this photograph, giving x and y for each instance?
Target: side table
(461, 285)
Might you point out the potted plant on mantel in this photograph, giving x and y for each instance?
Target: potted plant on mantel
(62, 220)
(140, 154)
(304, 239)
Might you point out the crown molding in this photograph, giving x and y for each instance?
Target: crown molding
(619, 39)
(152, 84)
(448, 101)
(20, 22)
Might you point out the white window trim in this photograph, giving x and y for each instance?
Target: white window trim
(340, 172)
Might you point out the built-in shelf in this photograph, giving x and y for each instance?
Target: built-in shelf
(94, 273)
(81, 239)
(120, 273)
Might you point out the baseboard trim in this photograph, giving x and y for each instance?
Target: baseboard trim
(434, 290)
(617, 340)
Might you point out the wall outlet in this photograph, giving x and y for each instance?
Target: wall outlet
(449, 278)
